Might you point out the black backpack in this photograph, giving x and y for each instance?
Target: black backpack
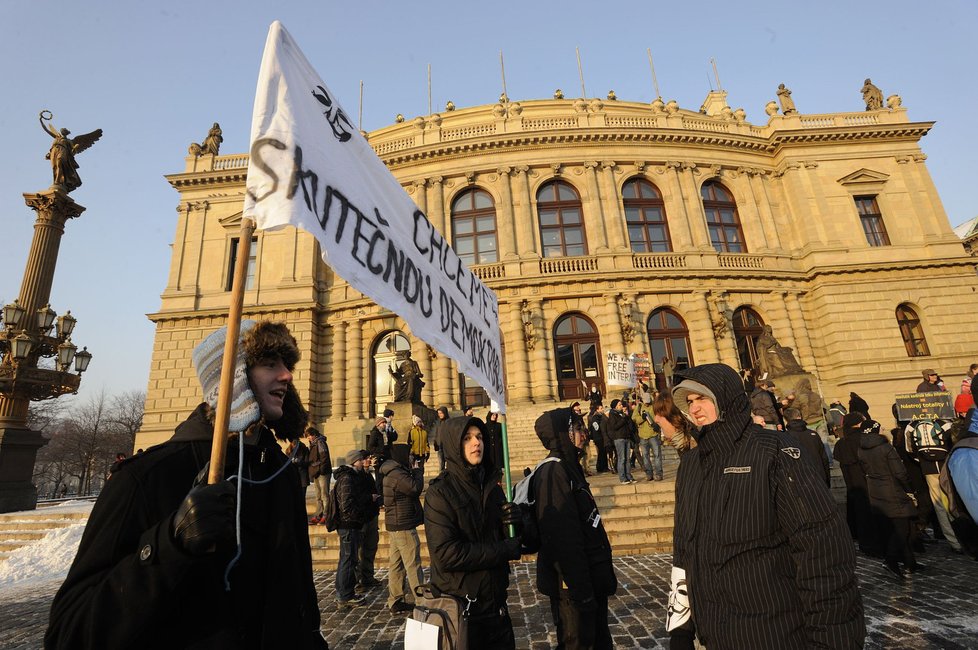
(331, 517)
(928, 440)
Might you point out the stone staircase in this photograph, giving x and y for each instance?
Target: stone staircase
(22, 528)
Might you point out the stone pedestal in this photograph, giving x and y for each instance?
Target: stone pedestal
(18, 450)
(788, 383)
(403, 417)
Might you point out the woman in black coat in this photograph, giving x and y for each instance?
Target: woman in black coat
(465, 517)
(888, 487)
(858, 513)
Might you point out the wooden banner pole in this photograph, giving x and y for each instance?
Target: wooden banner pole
(223, 415)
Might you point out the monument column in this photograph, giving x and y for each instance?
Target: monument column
(354, 370)
(542, 376)
(506, 222)
(338, 405)
(593, 216)
(527, 246)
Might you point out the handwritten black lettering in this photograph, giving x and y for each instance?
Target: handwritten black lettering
(260, 163)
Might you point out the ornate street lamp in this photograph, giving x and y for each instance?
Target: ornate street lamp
(26, 336)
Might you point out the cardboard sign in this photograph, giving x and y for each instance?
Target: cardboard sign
(925, 406)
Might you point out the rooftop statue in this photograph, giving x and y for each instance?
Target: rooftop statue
(872, 95)
(787, 103)
(211, 144)
(63, 150)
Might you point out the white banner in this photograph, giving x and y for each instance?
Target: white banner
(311, 168)
(620, 370)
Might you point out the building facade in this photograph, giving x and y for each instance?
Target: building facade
(606, 227)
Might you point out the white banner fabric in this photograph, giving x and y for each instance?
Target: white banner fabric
(312, 169)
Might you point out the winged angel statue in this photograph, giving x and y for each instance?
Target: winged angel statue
(63, 150)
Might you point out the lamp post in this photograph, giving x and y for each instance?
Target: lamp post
(28, 350)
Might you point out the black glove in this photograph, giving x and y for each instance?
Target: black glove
(513, 516)
(205, 518)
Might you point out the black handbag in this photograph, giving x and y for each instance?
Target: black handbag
(449, 613)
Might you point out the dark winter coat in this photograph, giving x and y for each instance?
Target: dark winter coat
(886, 477)
(131, 586)
(379, 442)
(812, 447)
(619, 426)
(353, 496)
(463, 524)
(858, 405)
(300, 458)
(573, 552)
(928, 387)
(434, 436)
(320, 462)
(494, 443)
(402, 489)
(764, 404)
(768, 561)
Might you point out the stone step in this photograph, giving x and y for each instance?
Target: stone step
(37, 524)
(7, 536)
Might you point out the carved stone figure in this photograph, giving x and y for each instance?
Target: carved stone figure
(787, 103)
(407, 379)
(773, 358)
(771, 108)
(894, 101)
(872, 95)
(627, 324)
(63, 150)
(211, 144)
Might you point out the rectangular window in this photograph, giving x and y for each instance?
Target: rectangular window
(872, 220)
(252, 259)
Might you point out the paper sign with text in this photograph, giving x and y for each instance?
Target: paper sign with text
(312, 169)
(924, 406)
(620, 370)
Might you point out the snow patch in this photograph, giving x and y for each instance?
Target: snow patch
(42, 562)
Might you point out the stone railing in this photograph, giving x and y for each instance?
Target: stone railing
(489, 271)
(739, 261)
(236, 161)
(658, 261)
(568, 265)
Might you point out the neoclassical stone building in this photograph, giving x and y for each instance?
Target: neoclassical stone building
(607, 226)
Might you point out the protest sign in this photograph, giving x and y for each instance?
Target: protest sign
(620, 370)
(312, 169)
(924, 406)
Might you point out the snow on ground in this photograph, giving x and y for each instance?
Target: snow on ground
(46, 560)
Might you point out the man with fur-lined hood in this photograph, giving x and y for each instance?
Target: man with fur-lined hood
(157, 565)
(762, 558)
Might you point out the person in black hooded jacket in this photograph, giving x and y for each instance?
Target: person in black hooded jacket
(574, 563)
(150, 569)
(465, 516)
(762, 559)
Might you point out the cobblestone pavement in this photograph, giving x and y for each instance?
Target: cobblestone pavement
(935, 609)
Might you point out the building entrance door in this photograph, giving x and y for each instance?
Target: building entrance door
(578, 356)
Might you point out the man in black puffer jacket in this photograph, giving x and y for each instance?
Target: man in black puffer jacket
(465, 517)
(574, 563)
(355, 501)
(762, 558)
(402, 516)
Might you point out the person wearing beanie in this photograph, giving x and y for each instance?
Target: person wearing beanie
(762, 558)
(403, 482)
(354, 509)
(889, 497)
(858, 516)
(466, 517)
(381, 437)
(157, 566)
(574, 566)
(441, 415)
(418, 441)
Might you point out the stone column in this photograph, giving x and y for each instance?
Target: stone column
(420, 195)
(443, 381)
(355, 378)
(517, 370)
(763, 203)
(338, 371)
(796, 317)
(694, 207)
(614, 219)
(505, 221)
(593, 213)
(437, 206)
(543, 374)
(527, 246)
(751, 221)
(922, 194)
(612, 320)
(703, 314)
(681, 224)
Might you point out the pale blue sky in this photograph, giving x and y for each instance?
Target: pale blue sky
(155, 75)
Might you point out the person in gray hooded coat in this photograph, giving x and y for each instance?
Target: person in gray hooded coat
(762, 558)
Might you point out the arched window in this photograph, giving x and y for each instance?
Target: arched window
(645, 214)
(912, 332)
(578, 356)
(561, 220)
(668, 339)
(722, 221)
(747, 327)
(474, 227)
(385, 356)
